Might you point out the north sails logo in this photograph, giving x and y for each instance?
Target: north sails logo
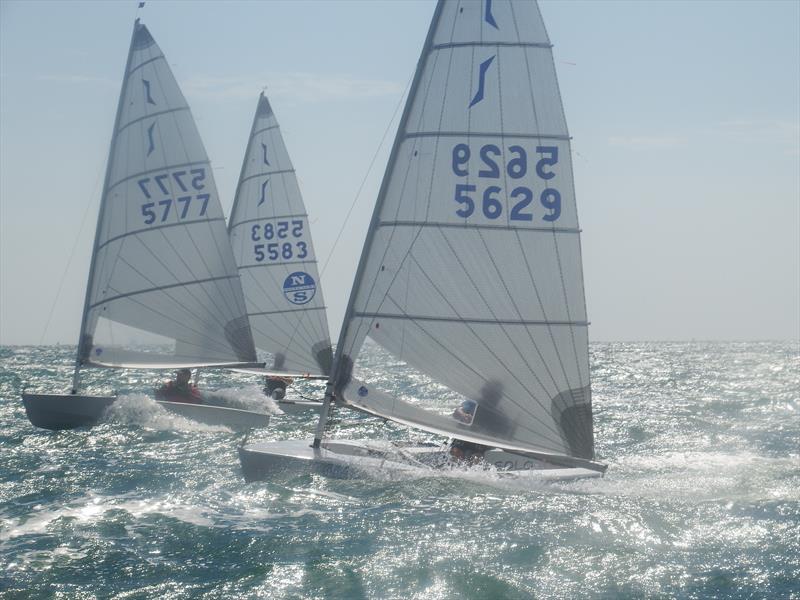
(299, 287)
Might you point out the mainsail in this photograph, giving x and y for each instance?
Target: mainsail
(269, 232)
(471, 270)
(162, 267)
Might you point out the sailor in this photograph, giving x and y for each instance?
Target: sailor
(180, 390)
(481, 416)
(275, 386)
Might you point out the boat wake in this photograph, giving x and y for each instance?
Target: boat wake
(140, 409)
(698, 477)
(250, 397)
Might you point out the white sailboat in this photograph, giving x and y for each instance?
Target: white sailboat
(162, 267)
(471, 270)
(271, 240)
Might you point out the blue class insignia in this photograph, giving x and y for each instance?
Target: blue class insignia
(299, 287)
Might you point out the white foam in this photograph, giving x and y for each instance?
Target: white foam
(249, 397)
(94, 507)
(140, 409)
(695, 476)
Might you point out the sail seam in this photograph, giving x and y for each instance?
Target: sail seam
(266, 173)
(155, 228)
(276, 312)
(500, 134)
(147, 62)
(374, 315)
(151, 116)
(491, 45)
(255, 133)
(277, 264)
(269, 218)
(160, 288)
(163, 168)
(473, 226)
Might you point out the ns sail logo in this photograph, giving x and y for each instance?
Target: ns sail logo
(299, 287)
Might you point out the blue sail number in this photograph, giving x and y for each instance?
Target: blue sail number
(516, 167)
(164, 184)
(280, 230)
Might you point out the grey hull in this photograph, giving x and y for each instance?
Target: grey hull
(67, 411)
(357, 458)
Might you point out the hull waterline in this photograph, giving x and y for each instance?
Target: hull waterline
(68, 411)
(357, 458)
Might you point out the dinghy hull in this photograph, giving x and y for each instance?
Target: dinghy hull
(355, 458)
(65, 411)
(68, 411)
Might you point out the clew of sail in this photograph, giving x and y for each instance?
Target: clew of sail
(269, 232)
(471, 271)
(162, 268)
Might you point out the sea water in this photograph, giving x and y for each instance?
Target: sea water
(701, 498)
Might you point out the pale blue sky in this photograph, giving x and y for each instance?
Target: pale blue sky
(685, 119)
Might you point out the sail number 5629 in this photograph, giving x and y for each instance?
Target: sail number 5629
(520, 197)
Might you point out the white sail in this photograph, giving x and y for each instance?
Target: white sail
(471, 270)
(162, 263)
(271, 239)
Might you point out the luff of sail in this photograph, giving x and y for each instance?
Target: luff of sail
(162, 263)
(271, 239)
(471, 271)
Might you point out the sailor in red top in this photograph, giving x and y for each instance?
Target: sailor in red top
(180, 390)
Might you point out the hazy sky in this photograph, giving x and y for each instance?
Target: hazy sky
(685, 119)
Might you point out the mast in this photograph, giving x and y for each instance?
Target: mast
(90, 281)
(362, 263)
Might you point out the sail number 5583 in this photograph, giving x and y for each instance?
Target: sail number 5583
(520, 197)
(278, 250)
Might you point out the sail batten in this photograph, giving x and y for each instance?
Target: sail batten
(202, 163)
(136, 232)
(150, 116)
(471, 270)
(474, 226)
(259, 219)
(385, 315)
(180, 284)
(269, 232)
(491, 44)
(145, 63)
(486, 134)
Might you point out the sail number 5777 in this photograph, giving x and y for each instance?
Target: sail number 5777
(174, 194)
(519, 198)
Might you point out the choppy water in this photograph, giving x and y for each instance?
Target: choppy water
(701, 499)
